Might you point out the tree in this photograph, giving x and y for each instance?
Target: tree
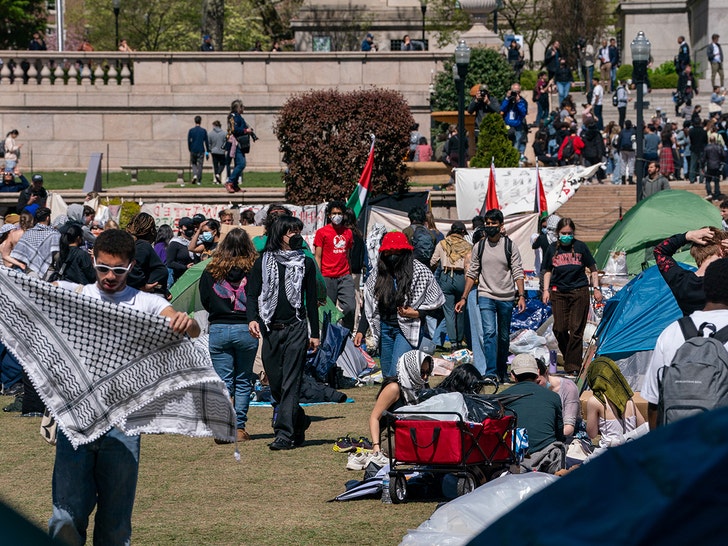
(213, 21)
(494, 143)
(19, 19)
(324, 138)
(445, 19)
(486, 66)
(586, 18)
(525, 18)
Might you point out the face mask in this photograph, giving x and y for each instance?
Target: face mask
(566, 239)
(207, 237)
(235, 275)
(336, 219)
(390, 260)
(295, 242)
(544, 230)
(491, 231)
(189, 233)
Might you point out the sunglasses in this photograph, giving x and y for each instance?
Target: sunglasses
(104, 269)
(97, 227)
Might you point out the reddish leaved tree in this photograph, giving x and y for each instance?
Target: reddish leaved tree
(324, 138)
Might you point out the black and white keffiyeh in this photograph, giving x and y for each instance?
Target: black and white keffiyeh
(424, 294)
(36, 247)
(98, 365)
(409, 374)
(293, 261)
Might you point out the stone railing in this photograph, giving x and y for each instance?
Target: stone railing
(34, 68)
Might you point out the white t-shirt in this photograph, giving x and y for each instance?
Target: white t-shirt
(131, 297)
(598, 95)
(667, 345)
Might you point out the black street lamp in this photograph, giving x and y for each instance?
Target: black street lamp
(117, 9)
(462, 59)
(640, 48)
(423, 7)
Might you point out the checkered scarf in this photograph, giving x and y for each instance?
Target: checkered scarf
(409, 374)
(293, 261)
(97, 365)
(36, 247)
(424, 295)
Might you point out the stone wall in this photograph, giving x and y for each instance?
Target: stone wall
(71, 107)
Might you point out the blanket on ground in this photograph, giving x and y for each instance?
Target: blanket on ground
(98, 365)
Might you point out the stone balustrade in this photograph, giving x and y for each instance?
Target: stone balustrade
(136, 108)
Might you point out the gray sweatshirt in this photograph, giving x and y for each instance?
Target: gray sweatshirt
(495, 280)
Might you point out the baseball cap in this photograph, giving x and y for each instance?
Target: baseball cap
(524, 363)
(185, 221)
(395, 240)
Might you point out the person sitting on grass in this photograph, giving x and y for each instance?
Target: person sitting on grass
(568, 393)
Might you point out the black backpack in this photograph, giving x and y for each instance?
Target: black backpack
(696, 380)
(568, 152)
(424, 243)
(615, 99)
(508, 248)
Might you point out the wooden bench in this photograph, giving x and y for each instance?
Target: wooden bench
(180, 169)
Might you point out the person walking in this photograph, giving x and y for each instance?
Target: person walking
(199, 148)
(238, 134)
(217, 138)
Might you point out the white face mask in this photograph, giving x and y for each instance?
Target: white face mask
(336, 219)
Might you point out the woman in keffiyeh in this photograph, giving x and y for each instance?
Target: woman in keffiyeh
(282, 310)
(413, 370)
(397, 296)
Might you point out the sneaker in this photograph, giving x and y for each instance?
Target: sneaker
(281, 444)
(229, 187)
(17, 405)
(362, 443)
(357, 461)
(14, 390)
(237, 189)
(243, 435)
(217, 179)
(344, 445)
(194, 180)
(182, 185)
(378, 458)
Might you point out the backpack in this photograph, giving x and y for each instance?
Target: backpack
(2, 148)
(568, 152)
(696, 380)
(615, 100)
(625, 140)
(424, 243)
(508, 248)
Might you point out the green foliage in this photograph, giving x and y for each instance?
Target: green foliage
(129, 209)
(668, 67)
(493, 143)
(624, 72)
(445, 19)
(529, 79)
(663, 81)
(19, 19)
(324, 138)
(662, 77)
(486, 66)
(571, 19)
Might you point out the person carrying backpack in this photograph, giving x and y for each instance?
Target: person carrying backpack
(688, 372)
(421, 238)
(570, 150)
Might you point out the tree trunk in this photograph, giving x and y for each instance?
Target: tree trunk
(213, 18)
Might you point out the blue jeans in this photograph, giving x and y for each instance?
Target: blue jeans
(102, 473)
(232, 350)
(452, 285)
(563, 88)
(476, 331)
(239, 167)
(496, 318)
(520, 144)
(392, 345)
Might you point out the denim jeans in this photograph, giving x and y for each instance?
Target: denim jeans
(496, 318)
(239, 167)
(520, 143)
(233, 350)
(452, 285)
(476, 331)
(563, 88)
(102, 473)
(392, 345)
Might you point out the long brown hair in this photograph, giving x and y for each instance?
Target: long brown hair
(235, 250)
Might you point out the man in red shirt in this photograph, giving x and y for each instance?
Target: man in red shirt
(332, 245)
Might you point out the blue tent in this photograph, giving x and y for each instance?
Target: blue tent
(636, 315)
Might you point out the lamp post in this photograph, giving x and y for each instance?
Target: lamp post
(640, 48)
(117, 9)
(462, 59)
(423, 8)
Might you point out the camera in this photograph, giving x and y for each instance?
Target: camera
(253, 136)
(482, 93)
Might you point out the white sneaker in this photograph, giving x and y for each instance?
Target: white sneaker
(378, 458)
(357, 461)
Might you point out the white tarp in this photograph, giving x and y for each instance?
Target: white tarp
(516, 188)
(519, 228)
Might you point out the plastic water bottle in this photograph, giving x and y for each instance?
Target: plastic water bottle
(256, 390)
(386, 499)
(552, 361)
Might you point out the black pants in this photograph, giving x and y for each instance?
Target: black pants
(284, 356)
(219, 162)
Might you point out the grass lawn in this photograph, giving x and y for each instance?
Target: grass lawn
(192, 491)
(58, 180)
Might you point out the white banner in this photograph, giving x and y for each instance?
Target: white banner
(516, 188)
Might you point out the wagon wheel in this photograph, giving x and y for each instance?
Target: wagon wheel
(480, 476)
(466, 484)
(398, 489)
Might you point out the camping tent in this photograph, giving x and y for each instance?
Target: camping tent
(652, 221)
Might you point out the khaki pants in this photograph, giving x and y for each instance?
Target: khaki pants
(716, 69)
(605, 72)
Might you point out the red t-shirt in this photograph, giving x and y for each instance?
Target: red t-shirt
(335, 243)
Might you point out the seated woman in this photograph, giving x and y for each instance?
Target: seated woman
(611, 412)
(569, 394)
(413, 370)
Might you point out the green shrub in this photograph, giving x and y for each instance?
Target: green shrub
(663, 81)
(624, 72)
(668, 67)
(528, 79)
(493, 143)
(324, 139)
(486, 66)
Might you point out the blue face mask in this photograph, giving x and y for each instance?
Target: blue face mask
(566, 239)
(207, 237)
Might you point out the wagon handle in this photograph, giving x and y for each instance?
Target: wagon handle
(435, 437)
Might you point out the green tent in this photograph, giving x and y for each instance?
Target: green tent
(652, 221)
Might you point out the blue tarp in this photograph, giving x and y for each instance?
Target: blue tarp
(636, 315)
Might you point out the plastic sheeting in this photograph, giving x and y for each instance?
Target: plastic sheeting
(460, 520)
(452, 402)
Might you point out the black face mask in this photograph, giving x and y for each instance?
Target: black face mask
(295, 242)
(491, 231)
(235, 275)
(189, 233)
(390, 260)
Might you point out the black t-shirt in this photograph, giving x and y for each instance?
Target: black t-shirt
(686, 286)
(225, 304)
(567, 265)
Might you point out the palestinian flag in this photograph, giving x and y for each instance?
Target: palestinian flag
(491, 198)
(540, 204)
(359, 198)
